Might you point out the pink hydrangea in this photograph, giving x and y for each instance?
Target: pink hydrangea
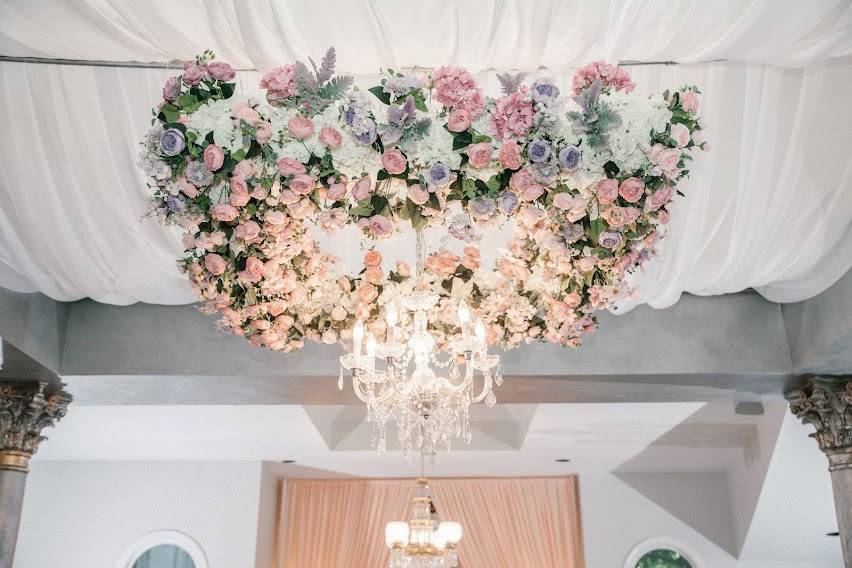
(512, 117)
(456, 89)
(610, 75)
(279, 83)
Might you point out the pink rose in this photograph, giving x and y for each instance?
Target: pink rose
(606, 190)
(521, 181)
(631, 189)
(381, 227)
(510, 155)
(242, 111)
(367, 293)
(418, 194)
(254, 266)
(243, 170)
(263, 133)
(303, 184)
(330, 137)
(573, 300)
(247, 231)
(659, 198)
(193, 73)
(171, 90)
(403, 269)
(187, 188)
(214, 264)
(373, 275)
(289, 197)
(279, 83)
(289, 166)
(344, 284)
(394, 162)
(586, 264)
(273, 217)
(301, 209)
(224, 212)
(574, 207)
(479, 155)
(336, 192)
(300, 127)
(690, 101)
(532, 192)
(680, 134)
(214, 157)
(668, 159)
(362, 188)
(221, 71)
(458, 121)
(239, 193)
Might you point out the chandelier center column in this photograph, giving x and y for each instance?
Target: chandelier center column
(26, 408)
(826, 403)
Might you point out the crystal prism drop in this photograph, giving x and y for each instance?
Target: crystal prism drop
(340, 380)
(490, 399)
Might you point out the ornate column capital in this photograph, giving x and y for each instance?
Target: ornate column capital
(826, 402)
(25, 409)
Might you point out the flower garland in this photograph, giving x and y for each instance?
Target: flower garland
(588, 181)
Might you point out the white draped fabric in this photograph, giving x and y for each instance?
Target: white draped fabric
(478, 34)
(768, 207)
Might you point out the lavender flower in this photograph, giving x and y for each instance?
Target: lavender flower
(570, 158)
(538, 151)
(399, 86)
(438, 174)
(175, 204)
(609, 239)
(507, 202)
(197, 174)
(545, 172)
(544, 92)
(172, 142)
(366, 135)
(481, 208)
(572, 233)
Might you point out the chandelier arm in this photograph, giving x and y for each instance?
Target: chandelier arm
(486, 387)
(357, 385)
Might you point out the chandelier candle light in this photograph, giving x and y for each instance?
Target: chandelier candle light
(429, 409)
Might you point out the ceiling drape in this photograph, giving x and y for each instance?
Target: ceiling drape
(768, 207)
(507, 522)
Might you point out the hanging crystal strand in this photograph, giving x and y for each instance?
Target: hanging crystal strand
(420, 259)
(340, 380)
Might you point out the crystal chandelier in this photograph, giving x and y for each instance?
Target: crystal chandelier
(396, 380)
(422, 542)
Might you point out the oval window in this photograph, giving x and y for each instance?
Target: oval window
(164, 556)
(663, 558)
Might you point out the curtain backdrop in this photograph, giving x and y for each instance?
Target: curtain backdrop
(768, 207)
(507, 523)
(478, 34)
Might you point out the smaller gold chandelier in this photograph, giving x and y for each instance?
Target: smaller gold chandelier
(422, 542)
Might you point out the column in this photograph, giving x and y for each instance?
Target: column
(26, 408)
(826, 403)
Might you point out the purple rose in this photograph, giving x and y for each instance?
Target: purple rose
(481, 208)
(609, 239)
(573, 233)
(438, 174)
(171, 89)
(366, 137)
(175, 204)
(220, 71)
(570, 158)
(545, 172)
(544, 92)
(538, 151)
(172, 142)
(194, 73)
(507, 202)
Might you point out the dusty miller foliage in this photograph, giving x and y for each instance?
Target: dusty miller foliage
(596, 118)
(319, 87)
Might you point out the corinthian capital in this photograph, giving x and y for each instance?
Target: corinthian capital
(25, 409)
(826, 403)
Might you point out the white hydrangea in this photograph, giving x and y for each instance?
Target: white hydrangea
(436, 146)
(639, 114)
(215, 117)
(353, 159)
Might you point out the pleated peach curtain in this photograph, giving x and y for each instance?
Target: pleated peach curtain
(508, 523)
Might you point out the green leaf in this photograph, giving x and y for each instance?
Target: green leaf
(170, 112)
(380, 94)
(596, 227)
(462, 140)
(611, 169)
(227, 89)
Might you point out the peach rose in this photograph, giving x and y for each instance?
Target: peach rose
(479, 155)
(214, 264)
(373, 274)
(403, 269)
(366, 293)
(344, 284)
(631, 189)
(458, 121)
(330, 137)
(300, 127)
(254, 266)
(573, 300)
(338, 313)
(394, 162)
(247, 231)
(373, 258)
(224, 212)
(336, 192)
(187, 188)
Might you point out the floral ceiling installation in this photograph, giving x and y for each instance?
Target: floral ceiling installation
(586, 177)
